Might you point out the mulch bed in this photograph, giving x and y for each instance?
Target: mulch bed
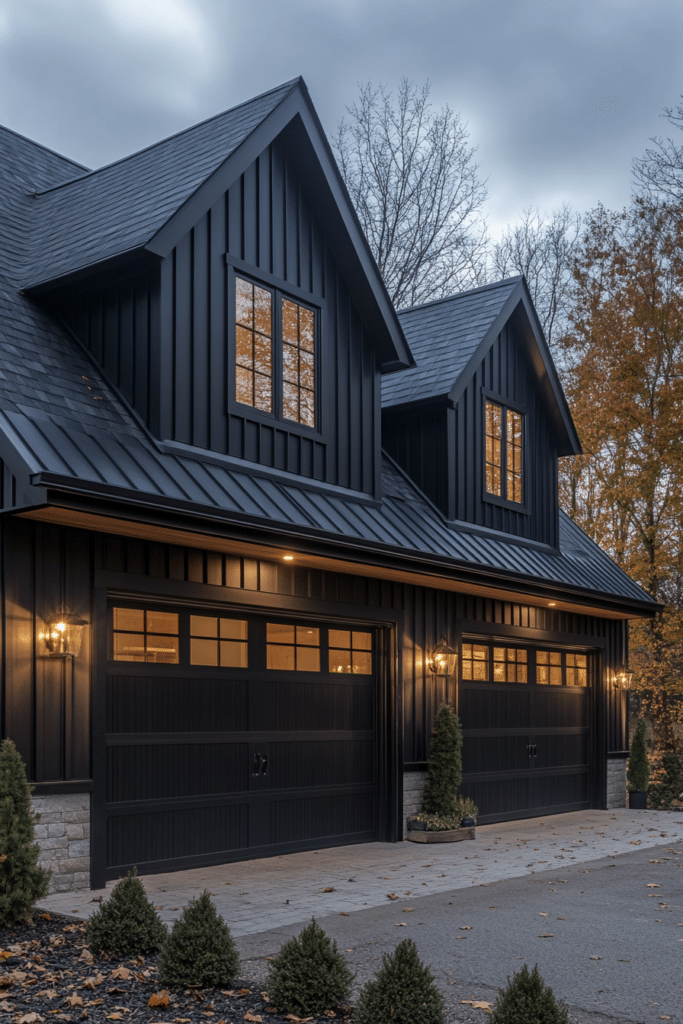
(48, 973)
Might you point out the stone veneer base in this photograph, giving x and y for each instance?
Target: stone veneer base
(616, 782)
(63, 835)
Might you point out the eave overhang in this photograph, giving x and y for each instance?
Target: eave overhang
(188, 524)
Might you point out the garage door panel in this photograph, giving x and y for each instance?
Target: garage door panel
(323, 816)
(323, 763)
(559, 708)
(495, 753)
(162, 703)
(291, 704)
(163, 835)
(486, 707)
(176, 770)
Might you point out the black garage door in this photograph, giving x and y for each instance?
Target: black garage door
(526, 716)
(232, 735)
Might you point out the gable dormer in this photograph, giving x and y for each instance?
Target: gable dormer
(250, 323)
(481, 420)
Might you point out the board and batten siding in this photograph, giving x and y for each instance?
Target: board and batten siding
(48, 567)
(442, 448)
(165, 337)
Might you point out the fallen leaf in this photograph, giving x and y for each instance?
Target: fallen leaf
(74, 1000)
(86, 955)
(478, 1004)
(328, 888)
(253, 1017)
(547, 935)
(243, 992)
(93, 981)
(407, 910)
(121, 974)
(653, 885)
(6, 980)
(5, 954)
(158, 998)
(465, 927)
(596, 958)
(30, 1018)
(541, 914)
(392, 896)
(401, 924)
(634, 842)
(621, 960)
(343, 913)
(45, 917)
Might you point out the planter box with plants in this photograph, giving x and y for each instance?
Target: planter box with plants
(446, 818)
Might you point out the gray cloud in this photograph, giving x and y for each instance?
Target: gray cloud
(559, 97)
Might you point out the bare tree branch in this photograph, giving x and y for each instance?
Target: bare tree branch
(659, 174)
(411, 176)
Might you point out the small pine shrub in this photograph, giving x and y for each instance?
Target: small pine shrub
(527, 1000)
(200, 950)
(445, 763)
(403, 992)
(22, 882)
(126, 924)
(309, 975)
(668, 788)
(638, 766)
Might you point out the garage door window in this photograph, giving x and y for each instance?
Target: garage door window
(143, 635)
(350, 651)
(218, 641)
(293, 648)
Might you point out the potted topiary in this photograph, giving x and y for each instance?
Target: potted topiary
(444, 813)
(638, 774)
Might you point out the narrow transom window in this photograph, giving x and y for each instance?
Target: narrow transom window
(549, 668)
(350, 651)
(144, 635)
(577, 670)
(504, 452)
(253, 345)
(293, 648)
(298, 363)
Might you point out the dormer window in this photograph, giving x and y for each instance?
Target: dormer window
(504, 452)
(275, 358)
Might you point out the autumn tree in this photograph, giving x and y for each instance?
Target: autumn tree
(624, 382)
(411, 175)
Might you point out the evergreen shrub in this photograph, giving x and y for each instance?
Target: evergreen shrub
(309, 975)
(126, 924)
(527, 1000)
(200, 951)
(444, 773)
(638, 765)
(668, 787)
(402, 992)
(22, 882)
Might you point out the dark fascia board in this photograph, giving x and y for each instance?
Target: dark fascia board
(101, 499)
(296, 122)
(519, 309)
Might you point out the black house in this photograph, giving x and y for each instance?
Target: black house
(243, 501)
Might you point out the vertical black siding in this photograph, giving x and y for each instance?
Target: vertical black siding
(443, 449)
(47, 568)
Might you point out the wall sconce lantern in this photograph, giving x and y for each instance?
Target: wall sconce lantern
(623, 678)
(63, 636)
(442, 660)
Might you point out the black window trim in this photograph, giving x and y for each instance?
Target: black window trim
(280, 290)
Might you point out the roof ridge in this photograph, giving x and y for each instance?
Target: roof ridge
(460, 295)
(176, 135)
(40, 145)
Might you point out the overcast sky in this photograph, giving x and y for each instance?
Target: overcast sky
(559, 95)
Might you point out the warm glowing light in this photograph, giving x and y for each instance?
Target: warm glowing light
(443, 660)
(289, 558)
(551, 604)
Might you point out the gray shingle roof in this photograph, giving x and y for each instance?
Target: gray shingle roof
(120, 207)
(443, 335)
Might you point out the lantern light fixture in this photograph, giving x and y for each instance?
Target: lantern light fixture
(442, 660)
(63, 635)
(624, 677)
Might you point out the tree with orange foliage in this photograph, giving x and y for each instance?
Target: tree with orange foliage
(624, 382)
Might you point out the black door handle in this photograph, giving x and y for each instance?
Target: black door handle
(264, 764)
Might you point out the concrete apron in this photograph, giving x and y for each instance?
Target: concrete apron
(258, 895)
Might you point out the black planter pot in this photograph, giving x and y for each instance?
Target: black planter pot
(416, 826)
(637, 801)
(467, 823)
